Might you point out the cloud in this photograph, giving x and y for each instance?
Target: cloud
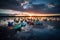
(38, 5)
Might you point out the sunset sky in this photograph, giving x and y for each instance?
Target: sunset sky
(29, 6)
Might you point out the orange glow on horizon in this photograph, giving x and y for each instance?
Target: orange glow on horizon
(29, 13)
(32, 14)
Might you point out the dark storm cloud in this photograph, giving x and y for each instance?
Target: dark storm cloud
(38, 5)
(10, 4)
(48, 6)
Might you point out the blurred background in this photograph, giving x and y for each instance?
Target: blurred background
(29, 19)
